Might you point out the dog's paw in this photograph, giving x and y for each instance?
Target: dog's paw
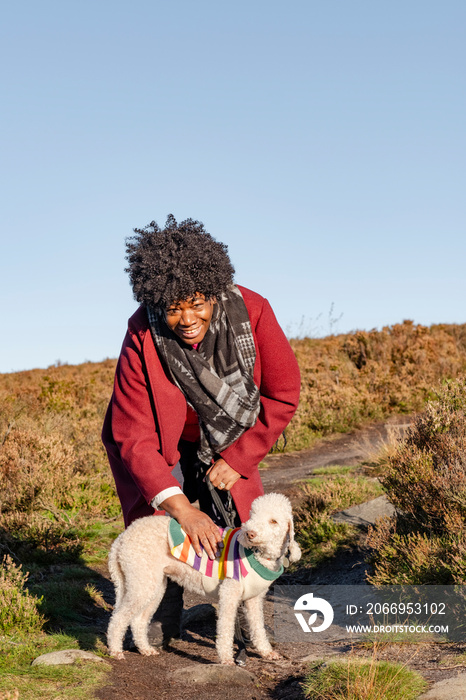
(118, 655)
(271, 655)
(149, 652)
(228, 662)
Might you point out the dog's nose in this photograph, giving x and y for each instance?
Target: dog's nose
(251, 535)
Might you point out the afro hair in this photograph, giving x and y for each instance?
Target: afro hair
(175, 263)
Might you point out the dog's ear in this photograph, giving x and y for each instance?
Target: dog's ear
(294, 551)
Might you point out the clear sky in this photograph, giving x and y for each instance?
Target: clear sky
(323, 141)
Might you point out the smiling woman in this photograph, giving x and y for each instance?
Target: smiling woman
(190, 319)
(205, 384)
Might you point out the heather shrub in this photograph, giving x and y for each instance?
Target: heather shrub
(34, 537)
(58, 513)
(18, 608)
(403, 556)
(425, 478)
(350, 379)
(34, 469)
(54, 475)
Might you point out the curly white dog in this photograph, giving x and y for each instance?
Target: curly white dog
(154, 548)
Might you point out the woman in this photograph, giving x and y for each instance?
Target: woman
(206, 378)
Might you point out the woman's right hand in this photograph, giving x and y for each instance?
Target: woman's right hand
(201, 530)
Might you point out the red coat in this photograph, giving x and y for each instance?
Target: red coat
(147, 414)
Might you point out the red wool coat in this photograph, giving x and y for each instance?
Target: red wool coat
(147, 414)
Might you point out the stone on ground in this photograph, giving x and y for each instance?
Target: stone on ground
(449, 689)
(66, 656)
(366, 513)
(214, 673)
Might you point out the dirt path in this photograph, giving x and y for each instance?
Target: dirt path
(284, 470)
(141, 678)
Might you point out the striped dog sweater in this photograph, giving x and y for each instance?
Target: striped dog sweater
(235, 561)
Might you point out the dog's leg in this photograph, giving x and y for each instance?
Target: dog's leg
(140, 623)
(133, 605)
(255, 614)
(229, 599)
(117, 627)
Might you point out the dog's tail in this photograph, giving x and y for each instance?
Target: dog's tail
(116, 572)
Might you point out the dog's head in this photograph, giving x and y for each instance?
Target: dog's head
(270, 528)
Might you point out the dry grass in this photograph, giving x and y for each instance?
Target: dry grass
(14, 695)
(361, 679)
(318, 535)
(335, 492)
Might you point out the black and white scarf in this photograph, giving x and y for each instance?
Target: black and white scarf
(217, 378)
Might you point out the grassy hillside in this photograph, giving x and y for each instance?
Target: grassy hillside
(52, 461)
(50, 420)
(58, 507)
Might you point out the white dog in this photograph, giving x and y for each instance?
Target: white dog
(154, 548)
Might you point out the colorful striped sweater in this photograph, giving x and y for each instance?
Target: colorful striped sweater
(235, 561)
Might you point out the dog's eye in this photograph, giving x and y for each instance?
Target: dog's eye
(273, 522)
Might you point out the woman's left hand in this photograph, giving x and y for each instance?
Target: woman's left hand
(222, 475)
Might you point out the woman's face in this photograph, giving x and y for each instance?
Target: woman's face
(190, 319)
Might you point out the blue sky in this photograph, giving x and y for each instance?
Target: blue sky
(324, 142)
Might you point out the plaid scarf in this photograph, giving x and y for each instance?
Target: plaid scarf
(217, 379)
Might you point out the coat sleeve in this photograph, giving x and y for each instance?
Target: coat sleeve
(279, 389)
(133, 424)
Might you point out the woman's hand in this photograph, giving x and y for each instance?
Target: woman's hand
(201, 530)
(222, 475)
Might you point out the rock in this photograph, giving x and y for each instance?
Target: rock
(449, 689)
(366, 513)
(67, 656)
(324, 657)
(214, 673)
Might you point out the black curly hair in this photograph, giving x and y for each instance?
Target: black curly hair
(173, 264)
